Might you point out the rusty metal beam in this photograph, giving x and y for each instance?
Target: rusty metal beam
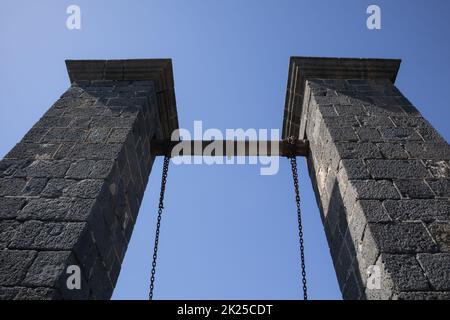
(283, 148)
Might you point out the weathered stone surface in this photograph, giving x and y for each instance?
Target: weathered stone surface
(84, 169)
(88, 189)
(34, 186)
(423, 209)
(381, 108)
(80, 122)
(98, 134)
(53, 122)
(44, 169)
(405, 272)
(440, 231)
(343, 134)
(118, 135)
(384, 195)
(437, 269)
(47, 235)
(351, 289)
(113, 122)
(368, 134)
(32, 151)
(8, 229)
(375, 121)
(8, 293)
(400, 134)
(441, 187)
(397, 169)
(392, 151)
(361, 150)
(344, 121)
(408, 237)
(354, 169)
(438, 169)
(58, 187)
(12, 187)
(61, 209)
(10, 206)
(35, 135)
(414, 189)
(380, 171)
(429, 134)
(8, 167)
(410, 122)
(422, 296)
(70, 191)
(373, 189)
(95, 151)
(25, 293)
(14, 265)
(65, 134)
(47, 268)
(428, 150)
(101, 281)
(372, 210)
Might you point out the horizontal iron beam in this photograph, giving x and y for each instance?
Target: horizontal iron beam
(229, 148)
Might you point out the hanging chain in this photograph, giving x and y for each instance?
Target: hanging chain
(161, 207)
(300, 228)
(158, 224)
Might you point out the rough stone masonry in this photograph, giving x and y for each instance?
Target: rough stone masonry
(70, 191)
(381, 177)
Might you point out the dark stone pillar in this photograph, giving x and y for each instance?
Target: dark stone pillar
(381, 177)
(70, 191)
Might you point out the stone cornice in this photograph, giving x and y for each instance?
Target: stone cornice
(303, 68)
(158, 70)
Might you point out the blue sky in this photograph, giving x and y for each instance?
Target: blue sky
(227, 232)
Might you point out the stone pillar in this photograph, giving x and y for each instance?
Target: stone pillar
(70, 191)
(381, 177)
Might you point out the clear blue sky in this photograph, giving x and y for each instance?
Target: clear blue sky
(227, 231)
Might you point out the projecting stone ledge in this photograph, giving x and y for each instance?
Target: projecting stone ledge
(159, 71)
(304, 68)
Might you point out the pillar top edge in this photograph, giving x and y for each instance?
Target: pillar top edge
(304, 68)
(341, 68)
(158, 70)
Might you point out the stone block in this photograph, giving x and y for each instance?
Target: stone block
(14, 265)
(414, 189)
(405, 272)
(9, 207)
(437, 269)
(407, 237)
(47, 235)
(397, 169)
(418, 209)
(373, 189)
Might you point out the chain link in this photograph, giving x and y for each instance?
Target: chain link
(158, 224)
(293, 160)
(161, 207)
